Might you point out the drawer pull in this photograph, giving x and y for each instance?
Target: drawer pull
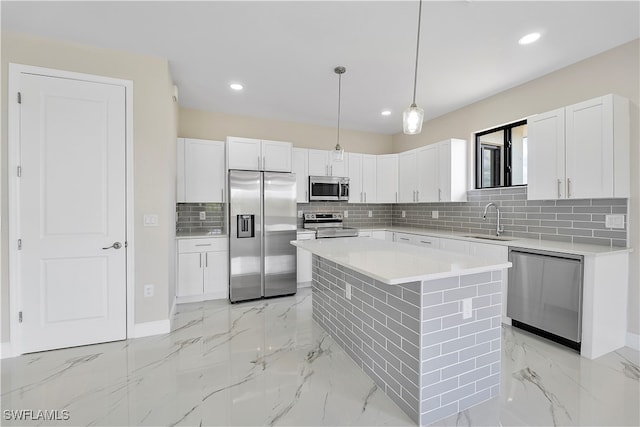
(424, 241)
(203, 244)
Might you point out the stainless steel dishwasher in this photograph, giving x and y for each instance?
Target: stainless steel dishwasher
(545, 294)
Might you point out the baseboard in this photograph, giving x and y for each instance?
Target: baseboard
(305, 284)
(633, 341)
(7, 351)
(147, 329)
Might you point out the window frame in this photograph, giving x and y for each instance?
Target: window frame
(505, 178)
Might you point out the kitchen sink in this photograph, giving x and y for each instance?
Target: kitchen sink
(487, 237)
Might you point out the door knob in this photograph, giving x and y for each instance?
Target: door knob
(116, 245)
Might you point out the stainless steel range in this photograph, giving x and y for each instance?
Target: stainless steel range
(328, 224)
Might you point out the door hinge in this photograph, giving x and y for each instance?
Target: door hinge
(19, 244)
(19, 171)
(19, 98)
(19, 317)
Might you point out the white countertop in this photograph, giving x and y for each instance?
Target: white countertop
(547, 245)
(199, 235)
(395, 263)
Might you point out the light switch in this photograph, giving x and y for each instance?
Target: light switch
(203, 215)
(299, 214)
(467, 306)
(150, 220)
(346, 214)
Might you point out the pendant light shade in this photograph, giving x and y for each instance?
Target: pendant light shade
(338, 152)
(412, 120)
(413, 116)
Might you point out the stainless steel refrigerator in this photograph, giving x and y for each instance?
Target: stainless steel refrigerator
(262, 222)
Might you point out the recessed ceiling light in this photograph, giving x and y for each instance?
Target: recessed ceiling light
(386, 112)
(236, 86)
(529, 38)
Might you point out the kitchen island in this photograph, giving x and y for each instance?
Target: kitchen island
(423, 324)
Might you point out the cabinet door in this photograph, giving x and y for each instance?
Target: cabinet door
(452, 163)
(453, 245)
(545, 159)
(379, 234)
(356, 194)
(300, 167)
(318, 163)
(190, 274)
(204, 171)
(428, 174)
(428, 242)
(387, 178)
(338, 168)
(276, 156)
(589, 149)
(304, 261)
(369, 178)
(244, 153)
(216, 277)
(407, 177)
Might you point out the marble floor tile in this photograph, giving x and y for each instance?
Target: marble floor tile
(267, 363)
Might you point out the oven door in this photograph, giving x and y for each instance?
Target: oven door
(324, 188)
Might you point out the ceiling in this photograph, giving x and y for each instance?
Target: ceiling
(284, 52)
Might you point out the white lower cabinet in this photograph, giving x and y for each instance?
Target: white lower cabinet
(202, 269)
(379, 234)
(453, 245)
(304, 262)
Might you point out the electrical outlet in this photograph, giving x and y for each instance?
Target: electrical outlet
(434, 214)
(467, 306)
(404, 214)
(370, 214)
(614, 221)
(347, 292)
(203, 215)
(148, 290)
(346, 214)
(299, 214)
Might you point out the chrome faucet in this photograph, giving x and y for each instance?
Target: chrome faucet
(499, 228)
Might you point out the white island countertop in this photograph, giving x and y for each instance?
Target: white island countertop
(393, 263)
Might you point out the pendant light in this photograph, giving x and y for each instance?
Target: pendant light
(413, 116)
(338, 152)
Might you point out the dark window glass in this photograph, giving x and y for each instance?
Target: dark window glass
(501, 156)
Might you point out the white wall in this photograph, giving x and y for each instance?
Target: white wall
(154, 128)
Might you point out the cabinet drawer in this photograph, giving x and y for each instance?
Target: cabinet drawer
(202, 245)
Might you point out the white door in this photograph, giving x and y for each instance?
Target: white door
(72, 207)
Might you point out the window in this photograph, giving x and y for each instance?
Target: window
(501, 156)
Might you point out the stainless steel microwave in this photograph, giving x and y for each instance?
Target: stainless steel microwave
(328, 188)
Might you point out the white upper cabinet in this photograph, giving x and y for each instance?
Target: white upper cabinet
(276, 156)
(200, 171)
(545, 162)
(452, 171)
(387, 178)
(407, 176)
(355, 178)
(362, 178)
(369, 178)
(256, 154)
(427, 190)
(322, 164)
(580, 151)
(300, 167)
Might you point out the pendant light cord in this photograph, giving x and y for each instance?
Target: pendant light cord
(415, 75)
(339, 98)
